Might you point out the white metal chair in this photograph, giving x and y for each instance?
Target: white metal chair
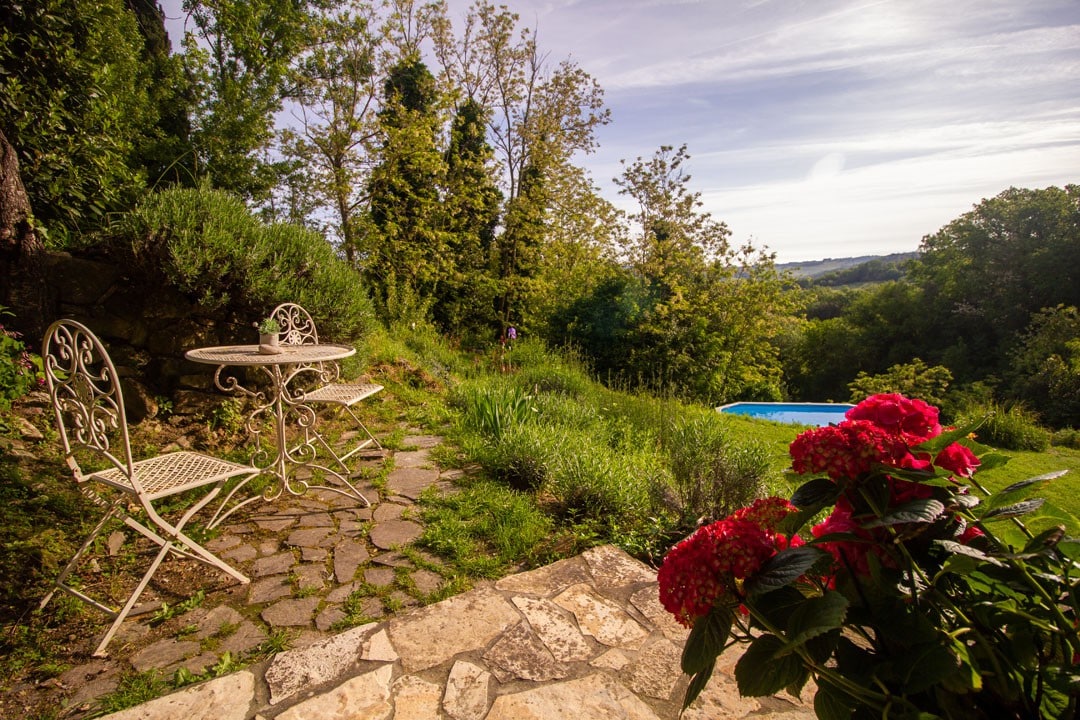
(89, 408)
(297, 328)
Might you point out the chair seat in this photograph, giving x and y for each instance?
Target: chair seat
(175, 472)
(342, 393)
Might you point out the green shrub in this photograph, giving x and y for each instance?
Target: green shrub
(914, 379)
(1008, 428)
(592, 482)
(1066, 438)
(209, 245)
(523, 457)
(430, 350)
(713, 474)
(485, 528)
(568, 412)
(544, 371)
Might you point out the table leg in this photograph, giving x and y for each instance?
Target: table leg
(284, 462)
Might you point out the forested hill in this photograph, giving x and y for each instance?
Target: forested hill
(848, 271)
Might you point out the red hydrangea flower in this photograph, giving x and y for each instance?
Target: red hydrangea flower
(913, 420)
(847, 450)
(706, 567)
(851, 554)
(902, 491)
(958, 460)
(766, 513)
(969, 534)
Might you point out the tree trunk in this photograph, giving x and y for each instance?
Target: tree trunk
(23, 288)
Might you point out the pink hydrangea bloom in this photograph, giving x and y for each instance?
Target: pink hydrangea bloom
(912, 420)
(958, 460)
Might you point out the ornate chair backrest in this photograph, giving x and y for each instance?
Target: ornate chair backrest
(297, 327)
(86, 397)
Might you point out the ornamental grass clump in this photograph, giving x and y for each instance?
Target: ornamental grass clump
(904, 601)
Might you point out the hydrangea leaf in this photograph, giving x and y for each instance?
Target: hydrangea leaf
(783, 569)
(1015, 510)
(777, 605)
(924, 510)
(815, 617)
(924, 666)
(706, 640)
(762, 671)
(831, 704)
(698, 683)
(815, 493)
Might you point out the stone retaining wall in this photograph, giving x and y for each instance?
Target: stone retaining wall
(146, 325)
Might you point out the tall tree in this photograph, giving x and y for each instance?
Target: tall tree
(405, 251)
(1045, 372)
(538, 117)
(519, 247)
(712, 309)
(582, 230)
(337, 94)
(239, 54)
(165, 153)
(22, 261)
(465, 304)
(986, 273)
(673, 239)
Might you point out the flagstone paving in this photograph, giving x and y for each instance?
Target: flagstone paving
(582, 638)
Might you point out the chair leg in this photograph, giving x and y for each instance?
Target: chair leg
(183, 546)
(59, 583)
(341, 458)
(134, 598)
(371, 438)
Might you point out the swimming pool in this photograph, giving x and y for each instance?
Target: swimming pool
(799, 413)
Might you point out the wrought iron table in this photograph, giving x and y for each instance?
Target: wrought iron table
(285, 370)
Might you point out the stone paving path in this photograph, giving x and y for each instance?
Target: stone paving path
(583, 638)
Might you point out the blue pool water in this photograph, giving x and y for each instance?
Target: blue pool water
(800, 413)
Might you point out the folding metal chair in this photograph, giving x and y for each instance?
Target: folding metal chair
(297, 328)
(89, 407)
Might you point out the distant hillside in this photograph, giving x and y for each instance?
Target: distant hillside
(847, 271)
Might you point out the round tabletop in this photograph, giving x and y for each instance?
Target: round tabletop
(250, 355)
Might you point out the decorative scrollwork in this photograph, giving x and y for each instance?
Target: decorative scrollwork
(83, 384)
(297, 327)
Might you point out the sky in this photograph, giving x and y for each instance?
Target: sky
(829, 128)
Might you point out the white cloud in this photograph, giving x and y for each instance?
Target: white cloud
(881, 208)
